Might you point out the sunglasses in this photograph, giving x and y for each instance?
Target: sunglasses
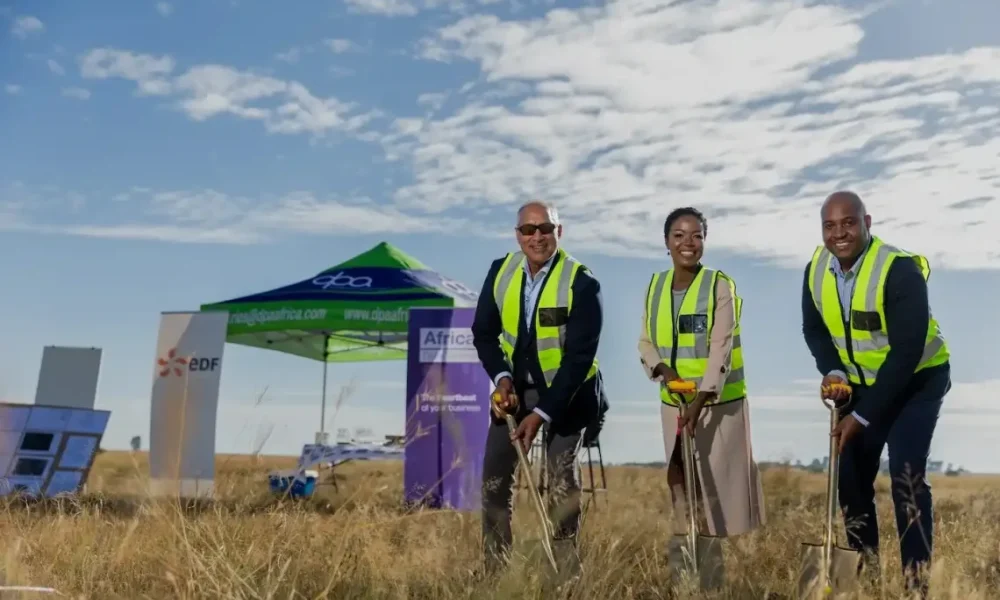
(530, 229)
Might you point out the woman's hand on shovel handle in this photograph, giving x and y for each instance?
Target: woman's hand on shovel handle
(664, 373)
(689, 419)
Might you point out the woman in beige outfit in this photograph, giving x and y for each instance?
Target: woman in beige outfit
(729, 487)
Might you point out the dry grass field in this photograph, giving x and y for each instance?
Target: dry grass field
(356, 542)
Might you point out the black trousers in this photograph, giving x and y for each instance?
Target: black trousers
(499, 464)
(908, 432)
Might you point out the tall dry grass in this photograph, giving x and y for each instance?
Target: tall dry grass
(357, 542)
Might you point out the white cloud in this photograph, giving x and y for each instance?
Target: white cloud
(339, 46)
(302, 211)
(404, 8)
(10, 214)
(207, 91)
(164, 8)
(12, 88)
(160, 233)
(22, 27)
(291, 56)
(150, 73)
(389, 8)
(432, 101)
(752, 110)
(55, 67)
(76, 92)
(336, 45)
(206, 216)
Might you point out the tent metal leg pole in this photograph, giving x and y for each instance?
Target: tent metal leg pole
(321, 438)
(322, 410)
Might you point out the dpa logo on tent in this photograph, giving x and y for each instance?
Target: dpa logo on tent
(342, 280)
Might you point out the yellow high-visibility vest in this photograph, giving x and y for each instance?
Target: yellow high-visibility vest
(556, 293)
(683, 345)
(864, 345)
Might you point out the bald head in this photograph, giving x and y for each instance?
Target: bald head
(846, 226)
(847, 200)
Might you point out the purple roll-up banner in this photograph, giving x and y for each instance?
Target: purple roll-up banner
(447, 411)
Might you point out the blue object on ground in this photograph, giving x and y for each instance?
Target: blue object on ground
(293, 484)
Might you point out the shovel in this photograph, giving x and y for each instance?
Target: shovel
(691, 552)
(826, 569)
(548, 531)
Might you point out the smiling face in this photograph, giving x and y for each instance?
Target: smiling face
(538, 233)
(686, 241)
(845, 227)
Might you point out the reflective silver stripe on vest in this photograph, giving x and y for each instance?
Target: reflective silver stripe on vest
(932, 348)
(734, 376)
(503, 284)
(879, 340)
(881, 262)
(700, 348)
(822, 267)
(564, 285)
(562, 297)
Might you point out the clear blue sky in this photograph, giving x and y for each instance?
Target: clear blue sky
(155, 156)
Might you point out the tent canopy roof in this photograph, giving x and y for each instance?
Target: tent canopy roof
(354, 311)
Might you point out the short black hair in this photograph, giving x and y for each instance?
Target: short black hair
(686, 211)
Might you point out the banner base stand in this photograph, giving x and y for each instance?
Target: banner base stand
(203, 489)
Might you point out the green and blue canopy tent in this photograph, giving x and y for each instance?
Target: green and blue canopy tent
(356, 311)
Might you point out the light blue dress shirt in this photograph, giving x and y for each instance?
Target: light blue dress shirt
(845, 289)
(532, 287)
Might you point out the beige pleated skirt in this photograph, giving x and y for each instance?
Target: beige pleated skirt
(730, 491)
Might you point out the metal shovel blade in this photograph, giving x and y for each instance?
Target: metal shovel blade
(841, 578)
(827, 570)
(707, 564)
(691, 552)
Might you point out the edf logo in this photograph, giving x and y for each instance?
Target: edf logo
(342, 280)
(177, 364)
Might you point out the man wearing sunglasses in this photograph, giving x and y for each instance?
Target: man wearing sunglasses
(537, 328)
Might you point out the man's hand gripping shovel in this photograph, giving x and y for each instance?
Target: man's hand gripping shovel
(826, 569)
(548, 531)
(698, 554)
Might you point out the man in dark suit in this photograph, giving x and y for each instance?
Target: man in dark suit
(893, 355)
(540, 350)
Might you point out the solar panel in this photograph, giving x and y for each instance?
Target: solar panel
(47, 450)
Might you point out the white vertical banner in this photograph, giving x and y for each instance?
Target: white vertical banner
(184, 403)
